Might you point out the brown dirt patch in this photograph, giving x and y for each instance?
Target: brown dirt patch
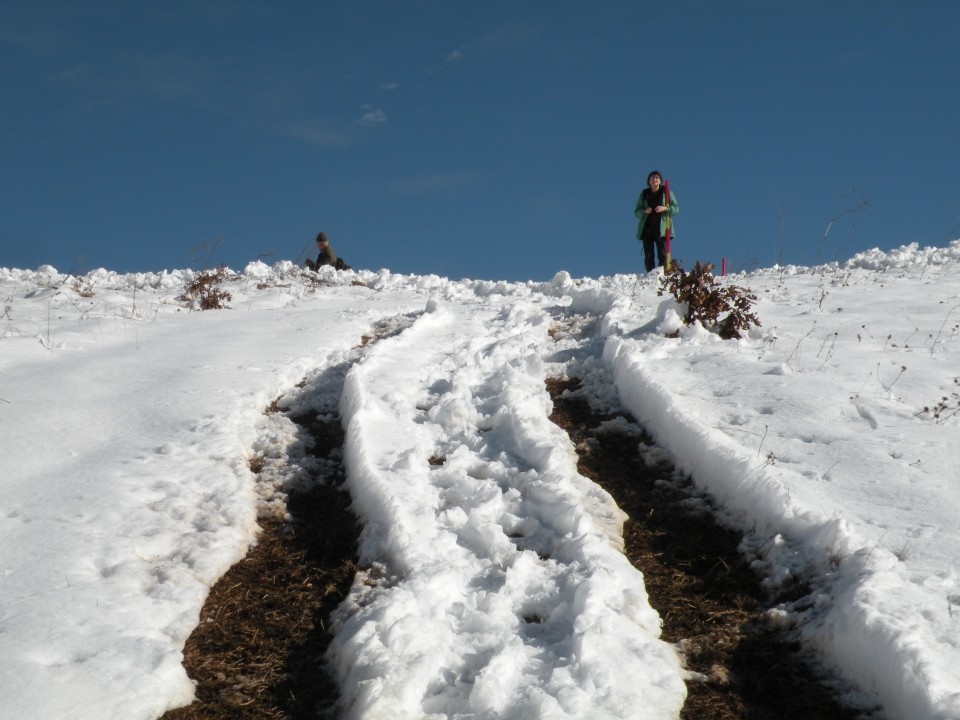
(710, 600)
(258, 650)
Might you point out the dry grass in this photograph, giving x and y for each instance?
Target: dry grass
(710, 600)
(83, 287)
(258, 650)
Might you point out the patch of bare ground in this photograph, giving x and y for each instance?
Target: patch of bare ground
(711, 602)
(258, 649)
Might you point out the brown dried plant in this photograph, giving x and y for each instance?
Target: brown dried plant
(205, 289)
(707, 300)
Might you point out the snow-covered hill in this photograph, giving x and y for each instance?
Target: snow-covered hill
(128, 420)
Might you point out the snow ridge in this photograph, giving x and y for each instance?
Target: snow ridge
(525, 550)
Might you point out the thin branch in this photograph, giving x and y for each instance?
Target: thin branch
(934, 346)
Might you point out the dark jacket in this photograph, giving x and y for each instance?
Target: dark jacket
(327, 257)
(644, 202)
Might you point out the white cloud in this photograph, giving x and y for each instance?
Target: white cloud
(313, 133)
(506, 40)
(371, 116)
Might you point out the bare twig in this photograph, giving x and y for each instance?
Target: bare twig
(760, 446)
(937, 338)
(800, 341)
(850, 210)
(829, 469)
(903, 369)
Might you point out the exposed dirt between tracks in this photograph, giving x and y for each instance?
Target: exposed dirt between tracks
(710, 600)
(258, 650)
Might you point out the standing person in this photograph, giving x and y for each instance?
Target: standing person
(325, 255)
(653, 210)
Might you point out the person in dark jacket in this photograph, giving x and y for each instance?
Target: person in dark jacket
(652, 210)
(325, 255)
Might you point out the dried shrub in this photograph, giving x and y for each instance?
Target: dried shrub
(707, 300)
(82, 287)
(206, 292)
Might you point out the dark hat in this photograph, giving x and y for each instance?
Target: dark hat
(322, 237)
(655, 172)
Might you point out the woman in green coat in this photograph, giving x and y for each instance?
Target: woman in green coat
(653, 210)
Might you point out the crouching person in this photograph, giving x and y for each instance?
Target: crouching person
(325, 256)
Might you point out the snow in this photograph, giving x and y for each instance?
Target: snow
(494, 583)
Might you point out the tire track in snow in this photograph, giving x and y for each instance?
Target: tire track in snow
(505, 503)
(493, 567)
(258, 649)
(741, 663)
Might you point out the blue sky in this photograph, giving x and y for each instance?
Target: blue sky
(496, 139)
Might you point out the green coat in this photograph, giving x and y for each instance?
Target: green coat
(642, 217)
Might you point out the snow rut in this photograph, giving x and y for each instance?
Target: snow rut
(258, 650)
(496, 585)
(495, 582)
